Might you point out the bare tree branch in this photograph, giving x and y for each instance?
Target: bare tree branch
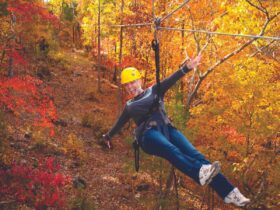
(196, 72)
(222, 60)
(203, 76)
(257, 7)
(194, 34)
(263, 7)
(259, 50)
(6, 202)
(168, 185)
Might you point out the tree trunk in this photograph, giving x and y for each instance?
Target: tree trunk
(120, 60)
(10, 67)
(99, 57)
(182, 54)
(115, 66)
(2, 56)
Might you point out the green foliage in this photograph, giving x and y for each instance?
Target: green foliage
(87, 121)
(57, 56)
(82, 202)
(69, 11)
(3, 9)
(89, 12)
(177, 110)
(41, 142)
(130, 160)
(74, 147)
(60, 60)
(179, 114)
(97, 122)
(128, 140)
(155, 200)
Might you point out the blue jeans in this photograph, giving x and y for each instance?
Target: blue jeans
(182, 155)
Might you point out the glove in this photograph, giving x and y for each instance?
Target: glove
(106, 141)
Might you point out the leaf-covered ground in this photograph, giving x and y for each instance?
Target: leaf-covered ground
(111, 182)
(102, 179)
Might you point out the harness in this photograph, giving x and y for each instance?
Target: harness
(140, 129)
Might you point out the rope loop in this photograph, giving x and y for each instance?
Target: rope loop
(136, 155)
(155, 44)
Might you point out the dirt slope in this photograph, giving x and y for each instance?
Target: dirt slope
(109, 185)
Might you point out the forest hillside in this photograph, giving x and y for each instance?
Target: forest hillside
(60, 91)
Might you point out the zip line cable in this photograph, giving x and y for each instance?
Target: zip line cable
(153, 9)
(219, 33)
(132, 25)
(175, 10)
(199, 31)
(158, 20)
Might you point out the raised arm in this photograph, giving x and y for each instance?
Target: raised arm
(173, 78)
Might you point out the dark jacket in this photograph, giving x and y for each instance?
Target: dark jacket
(140, 108)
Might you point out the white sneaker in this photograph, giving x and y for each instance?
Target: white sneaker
(236, 198)
(208, 172)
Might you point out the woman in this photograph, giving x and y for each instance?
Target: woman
(157, 136)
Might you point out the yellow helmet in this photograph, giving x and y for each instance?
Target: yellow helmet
(129, 74)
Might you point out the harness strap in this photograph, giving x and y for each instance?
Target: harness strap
(155, 46)
(136, 154)
(135, 143)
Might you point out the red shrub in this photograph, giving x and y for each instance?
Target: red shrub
(27, 10)
(28, 98)
(39, 187)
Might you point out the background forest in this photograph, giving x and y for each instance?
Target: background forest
(60, 62)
